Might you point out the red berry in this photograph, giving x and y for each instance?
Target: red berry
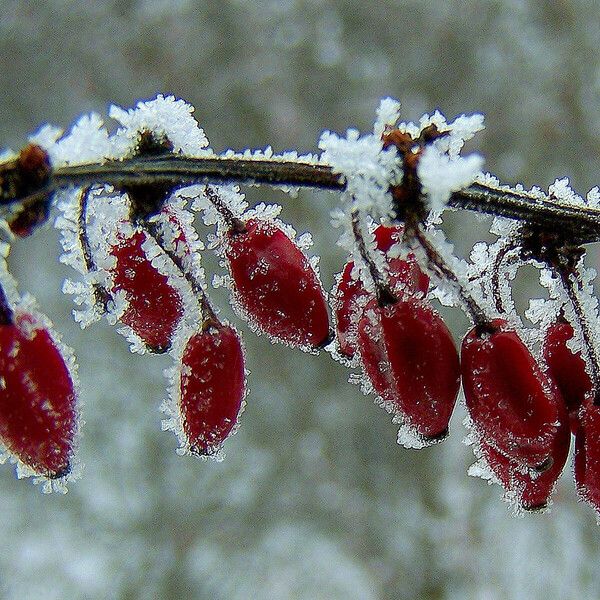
(408, 355)
(38, 416)
(530, 489)
(275, 286)
(211, 387)
(587, 454)
(567, 369)
(154, 306)
(349, 296)
(514, 406)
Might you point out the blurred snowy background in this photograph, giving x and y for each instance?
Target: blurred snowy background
(315, 500)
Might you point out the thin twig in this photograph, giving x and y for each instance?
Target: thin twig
(580, 224)
(101, 295)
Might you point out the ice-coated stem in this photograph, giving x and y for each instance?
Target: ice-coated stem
(235, 224)
(101, 295)
(383, 292)
(569, 284)
(580, 224)
(207, 312)
(438, 264)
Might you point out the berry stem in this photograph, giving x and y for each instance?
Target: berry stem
(495, 279)
(101, 295)
(235, 224)
(439, 265)
(570, 280)
(207, 312)
(383, 292)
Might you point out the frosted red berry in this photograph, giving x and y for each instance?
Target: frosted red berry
(587, 454)
(350, 296)
(513, 404)
(275, 286)
(38, 415)
(211, 387)
(408, 355)
(566, 368)
(529, 488)
(154, 306)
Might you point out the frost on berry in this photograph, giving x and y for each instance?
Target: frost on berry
(208, 389)
(409, 357)
(513, 404)
(125, 272)
(349, 296)
(154, 306)
(525, 488)
(275, 285)
(587, 455)
(38, 393)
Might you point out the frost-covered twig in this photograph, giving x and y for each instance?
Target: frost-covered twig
(579, 224)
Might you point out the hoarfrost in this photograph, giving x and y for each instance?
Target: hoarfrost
(441, 174)
(164, 116)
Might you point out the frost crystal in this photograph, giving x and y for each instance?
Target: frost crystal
(163, 116)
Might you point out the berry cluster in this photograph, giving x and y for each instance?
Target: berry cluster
(133, 242)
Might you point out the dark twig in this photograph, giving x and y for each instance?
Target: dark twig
(580, 224)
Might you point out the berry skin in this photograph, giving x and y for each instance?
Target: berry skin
(566, 369)
(349, 296)
(211, 387)
(275, 286)
(38, 416)
(409, 357)
(154, 305)
(531, 490)
(514, 406)
(587, 453)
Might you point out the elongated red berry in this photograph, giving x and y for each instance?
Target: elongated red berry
(566, 368)
(529, 488)
(587, 453)
(211, 387)
(350, 296)
(154, 306)
(38, 415)
(513, 404)
(408, 355)
(275, 286)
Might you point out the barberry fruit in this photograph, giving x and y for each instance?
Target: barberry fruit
(38, 415)
(274, 285)
(513, 404)
(566, 368)
(529, 488)
(154, 305)
(587, 454)
(211, 387)
(408, 355)
(349, 296)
